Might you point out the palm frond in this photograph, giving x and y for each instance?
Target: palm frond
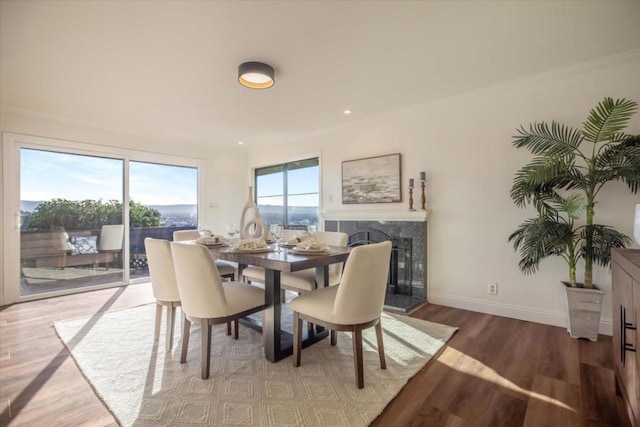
(620, 162)
(574, 205)
(541, 176)
(538, 238)
(608, 118)
(559, 140)
(604, 238)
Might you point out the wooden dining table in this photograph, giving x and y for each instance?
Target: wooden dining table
(278, 344)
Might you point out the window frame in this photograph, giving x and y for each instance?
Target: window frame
(285, 195)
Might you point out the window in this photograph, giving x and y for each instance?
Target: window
(289, 193)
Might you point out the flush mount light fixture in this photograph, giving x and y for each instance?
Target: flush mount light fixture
(256, 75)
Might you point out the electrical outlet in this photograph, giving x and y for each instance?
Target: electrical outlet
(493, 289)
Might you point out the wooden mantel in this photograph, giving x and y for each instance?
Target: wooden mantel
(376, 215)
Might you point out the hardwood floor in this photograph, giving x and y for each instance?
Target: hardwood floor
(493, 372)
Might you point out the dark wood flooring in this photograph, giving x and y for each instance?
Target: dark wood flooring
(495, 371)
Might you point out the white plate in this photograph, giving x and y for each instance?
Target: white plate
(213, 245)
(308, 251)
(248, 251)
(287, 245)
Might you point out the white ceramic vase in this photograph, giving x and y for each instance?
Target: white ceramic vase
(251, 223)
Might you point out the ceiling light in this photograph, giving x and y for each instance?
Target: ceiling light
(256, 75)
(240, 142)
(347, 111)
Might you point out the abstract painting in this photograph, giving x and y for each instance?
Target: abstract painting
(371, 180)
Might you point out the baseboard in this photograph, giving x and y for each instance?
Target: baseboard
(512, 311)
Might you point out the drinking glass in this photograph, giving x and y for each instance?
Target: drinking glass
(204, 230)
(276, 231)
(312, 229)
(232, 230)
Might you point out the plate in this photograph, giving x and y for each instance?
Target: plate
(287, 245)
(254, 251)
(308, 251)
(213, 245)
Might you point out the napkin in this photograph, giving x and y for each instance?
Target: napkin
(210, 240)
(248, 244)
(312, 245)
(293, 241)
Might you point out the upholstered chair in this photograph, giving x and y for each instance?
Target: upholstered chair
(354, 305)
(163, 284)
(226, 269)
(305, 280)
(110, 242)
(206, 299)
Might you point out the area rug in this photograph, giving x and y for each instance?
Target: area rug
(142, 385)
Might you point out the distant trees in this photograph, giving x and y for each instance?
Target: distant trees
(89, 214)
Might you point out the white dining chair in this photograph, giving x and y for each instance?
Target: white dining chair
(354, 305)
(163, 284)
(110, 242)
(305, 280)
(226, 269)
(207, 300)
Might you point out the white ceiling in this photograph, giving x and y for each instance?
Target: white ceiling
(170, 68)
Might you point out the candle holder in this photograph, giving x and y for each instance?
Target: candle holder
(424, 198)
(411, 199)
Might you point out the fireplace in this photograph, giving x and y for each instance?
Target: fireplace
(406, 284)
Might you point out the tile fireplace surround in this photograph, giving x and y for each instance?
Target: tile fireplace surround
(409, 231)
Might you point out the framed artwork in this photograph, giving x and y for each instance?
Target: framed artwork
(371, 180)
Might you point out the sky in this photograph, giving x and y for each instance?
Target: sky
(45, 175)
(300, 182)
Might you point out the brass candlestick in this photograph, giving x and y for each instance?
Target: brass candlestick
(411, 199)
(424, 198)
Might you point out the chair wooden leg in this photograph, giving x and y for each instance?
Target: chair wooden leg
(357, 356)
(205, 331)
(334, 337)
(383, 362)
(228, 328)
(171, 320)
(297, 338)
(186, 330)
(235, 329)
(156, 331)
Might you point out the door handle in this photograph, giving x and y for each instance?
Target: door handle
(624, 327)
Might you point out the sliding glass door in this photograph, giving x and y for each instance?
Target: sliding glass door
(75, 215)
(163, 199)
(71, 228)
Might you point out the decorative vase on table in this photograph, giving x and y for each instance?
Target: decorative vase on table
(251, 223)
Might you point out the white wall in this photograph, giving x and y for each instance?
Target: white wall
(464, 145)
(224, 179)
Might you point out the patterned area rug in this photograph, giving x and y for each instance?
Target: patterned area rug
(142, 385)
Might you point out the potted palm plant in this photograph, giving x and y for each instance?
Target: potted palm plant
(569, 169)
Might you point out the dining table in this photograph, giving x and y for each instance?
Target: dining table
(278, 344)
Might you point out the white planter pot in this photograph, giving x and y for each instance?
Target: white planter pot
(584, 308)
